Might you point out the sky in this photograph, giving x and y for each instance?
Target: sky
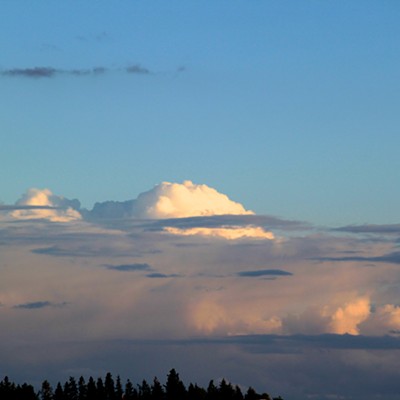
(207, 186)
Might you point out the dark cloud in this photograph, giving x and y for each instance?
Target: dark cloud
(4, 207)
(130, 267)
(36, 72)
(219, 221)
(286, 344)
(160, 275)
(50, 72)
(110, 209)
(264, 272)
(38, 304)
(393, 258)
(137, 69)
(371, 228)
(93, 71)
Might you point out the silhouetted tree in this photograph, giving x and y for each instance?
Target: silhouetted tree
(251, 394)
(157, 391)
(129, 391)
(118, 388)
(25, 392)
(144, 391)
(109, 387)
(212, 391)
(82, 389)
(46, 392)
(59, 392)
(174, 388)
(100, 391)
(238, 393)
(71, 389)
(91, 390)
(225, 391)
(196, 393)
(7, 389)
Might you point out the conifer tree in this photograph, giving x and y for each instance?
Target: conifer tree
(91, 391)
(82, 389)
(157, 391)
(118, 388)
(174, 388)
(59, 392)
(46, 392)
(109, 387)
(129, 391)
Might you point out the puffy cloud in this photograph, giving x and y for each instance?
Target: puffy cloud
(385, 319)
(347, 319)
(211, 317)
(184, 200)
(43, 204)
(344, 319)
(171, 200)
(175, 200)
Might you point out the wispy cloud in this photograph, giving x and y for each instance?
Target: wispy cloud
(51, 72)
(371, 229)
(137, 69)
(264, 272)
(39, 304)
(393, 258)
(130, 267)
(160, 275)
(36, 72)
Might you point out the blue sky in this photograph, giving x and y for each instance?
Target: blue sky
(202, 180)
(289, 107)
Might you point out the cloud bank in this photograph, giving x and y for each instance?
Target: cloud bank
(118, 280)
(166, 201)
(172, 200)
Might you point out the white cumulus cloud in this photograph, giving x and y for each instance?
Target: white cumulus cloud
(180, 200)
(183, 200)
(59, 208)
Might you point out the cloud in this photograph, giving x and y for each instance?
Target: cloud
(384, 319)
(230, 233)
(36, 72)
(347, 319)
(264, 272)
(175, 200)
(393, 258)
(43, 204)
(160, 275)
(137, 69)
(391, 229)
(218, 221)
(51, 72)
(179, 209)
(130, 267)
(38, 304)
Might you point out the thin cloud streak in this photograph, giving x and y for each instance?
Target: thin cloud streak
(264, 272)
(51, 72)
(129, 267)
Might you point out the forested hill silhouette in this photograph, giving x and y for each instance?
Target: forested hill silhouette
(110, 389)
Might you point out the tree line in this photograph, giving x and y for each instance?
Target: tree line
(110, 389)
